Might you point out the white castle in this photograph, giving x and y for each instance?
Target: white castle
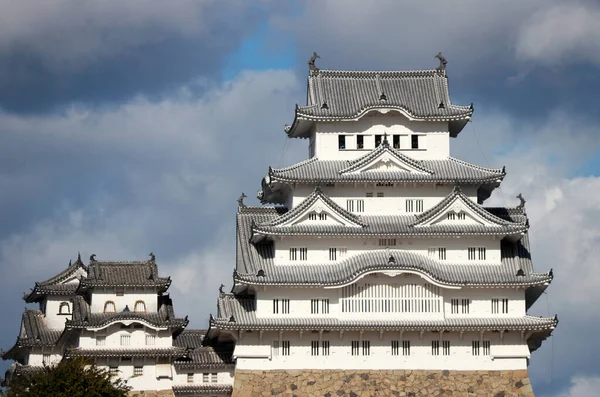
(374, 255)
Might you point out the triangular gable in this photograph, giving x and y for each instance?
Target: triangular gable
(385, 159)
(458, 209)
(319, 205)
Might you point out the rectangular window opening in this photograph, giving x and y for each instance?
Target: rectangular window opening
(414, 141)
(360, 142)
(342, 142)
(396, 141)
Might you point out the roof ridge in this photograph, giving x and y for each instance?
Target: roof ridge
(384, 147)
(489, 169)
(297, 165)
(344, 72)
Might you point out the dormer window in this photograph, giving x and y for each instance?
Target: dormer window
(64, 308)
(139, 307)
(109, 307)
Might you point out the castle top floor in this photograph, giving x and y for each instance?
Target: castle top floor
(348, 112)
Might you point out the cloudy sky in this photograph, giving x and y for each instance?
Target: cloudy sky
(130, 127)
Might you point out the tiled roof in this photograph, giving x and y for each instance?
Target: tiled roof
(449, 171)
(195, 390)
(239, 312)
(346, 95)
(125, 274)
(316, 195)
(216, 355)
(163, 318)
(16, 370)
(173, 352)
(54, 285)
(34, 333)
(254, 257)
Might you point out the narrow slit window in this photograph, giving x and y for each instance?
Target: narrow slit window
(414, 141)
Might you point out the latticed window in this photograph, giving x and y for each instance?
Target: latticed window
(500, 305)
(325, 347)
(446, 347)
(437, 253)
(298, 254)
(387, 242)
(281, 306)
(358, 205)
(435, 347)
(460, 306)
(355, 347)
(414, 205)
(139, 307)
(379, 194)
(205, 377)
(475, 348)
(190, 377)
(285, 347)
(113, 371)
(109, 307)
(314, 348)
(476, 253)
(396, 345)
(214, 377)
(100, 340)
(150, 340)
(138, 370)
(486, 347)
(366, 347)
(394, 298)
(406, 348)
(319, 306)
(125, 340)
(395, 348)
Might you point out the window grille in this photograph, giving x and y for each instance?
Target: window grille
(369, 194)
(109, 307)
(379, 194)
(360, 205)
(475, 348)
(64, 308)
(451, 216)
(366, 348)
(298, 254)
(461, 216)
(486, 347)
(214, 377)
(190, 378)
(314, 348)
(414, 205)
(387, 242)
(499, 305)
(395, 348)
(139, 307)
(281, 306)
(446, 347)
(332, 254)
(325, 347)
(101, 341)
(323, 216)
(113, 371)
(376, 298)
(460, 306)
(138, 370)
(319, 306)
(285, 347)
(435, 348)
(350, 205)
(312, 216)
(46, 358)
(205, 377)
(125, 340)
(406, 348)
(355, 347)
(150, 340)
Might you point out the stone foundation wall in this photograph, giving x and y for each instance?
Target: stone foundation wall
(331, 383)
(151, 393)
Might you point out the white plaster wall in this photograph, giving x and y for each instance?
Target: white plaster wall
(147, 381)
(318, 248)
(512, 348)
(300, 301)
(394, 200)
(99, 298)
(113, 334)
(37, 355)
(54, 320)
(224, 377)
(434, 142)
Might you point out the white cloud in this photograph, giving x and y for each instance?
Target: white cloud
(67, 34)
(562, 33)
(582, 386)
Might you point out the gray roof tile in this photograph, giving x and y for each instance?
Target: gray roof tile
(239, 312)
(54, 286)
(215, 355)
(448, 171)
(125, 274)
(173, 352)
(251, 258)
(347, 94)
(34, 333)
(198, 390)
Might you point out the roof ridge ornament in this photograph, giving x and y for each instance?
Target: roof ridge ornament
(152, 257)
(92, 258)
(523, 201)
(313, 69)
(240, 201)
(385, 142)
(443, 62)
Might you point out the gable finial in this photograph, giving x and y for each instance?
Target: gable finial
(311, 64)
(522, 203)
(93, 258)
(443, 62)
(152, 256)
(221, 288)
(70, 263)
(385, 142)
(240, 200)
(79, 257)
